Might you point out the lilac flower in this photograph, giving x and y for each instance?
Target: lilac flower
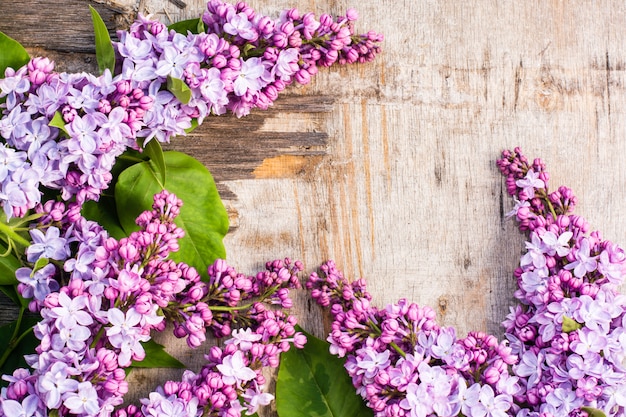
(238, 24)
(172, 63)
(13, 125)
(370, 362)
(50, 245)
(583, 262)
(29, 407)
(10, 161)
(37, 284)
(244, 338)
(249, 78)
(85, 400)
(234, 370)
(71, 312)
(255, 398)
(557, 245)
(529, 183)
(491, 405)
(55, 383)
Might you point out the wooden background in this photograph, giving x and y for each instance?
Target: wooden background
(389, 167)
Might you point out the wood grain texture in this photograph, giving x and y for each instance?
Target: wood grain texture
(389, 167)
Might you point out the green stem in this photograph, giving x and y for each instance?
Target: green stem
(392, 344)
(11, 236)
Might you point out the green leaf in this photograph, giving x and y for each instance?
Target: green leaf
(11, 292)
(593, 412)
(154, 151)
(25, 346)
(8, 265)
(105, 54)
(180, 90)
(104, 212)
(313, 383)
(194, 125)
(184, 26)
(570, 325)
(202, 216)
(157, 357)
(58, 122)
(13, 54)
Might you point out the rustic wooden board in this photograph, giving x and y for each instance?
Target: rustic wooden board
(388, 167)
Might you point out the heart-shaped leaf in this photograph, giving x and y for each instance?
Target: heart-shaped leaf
(202, 217)
(105, 54)
(313, 383)
(13, 54)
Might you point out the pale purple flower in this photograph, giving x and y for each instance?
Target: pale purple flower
(370, 362)
(256, 398)
(234, 370)
(530, 367)
(584, 262)
(159, 406)
(13, 84)
(244, 338)
(10, 161)
(529, 183)
(564, 399)
(71, 312)
(172, 62)
(115, 129)
(74, 338)
(594, 313)
(588, 341)
(557, 245)
(535, 254)
(287, 64)
(29, 407)
(213, 90)
(491, 405)
(239, 24)
(39, 283)
(85, 400)
(13, 125)
(56, 382)
(249, 78)
(51, 245)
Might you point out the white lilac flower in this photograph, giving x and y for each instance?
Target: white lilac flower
(234, 370)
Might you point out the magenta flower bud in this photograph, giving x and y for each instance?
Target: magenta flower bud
(146, 102)
(124, 87)
(352, 14)
(265, 25)
(326, 20)
(280, 40)
(124, 101)
(303, 77)
(37, 77)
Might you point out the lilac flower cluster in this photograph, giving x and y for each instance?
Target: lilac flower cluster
(77, 160)
(105, 297)
(566, 341)
(64, 131)
(570, 329)
(403, 364)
